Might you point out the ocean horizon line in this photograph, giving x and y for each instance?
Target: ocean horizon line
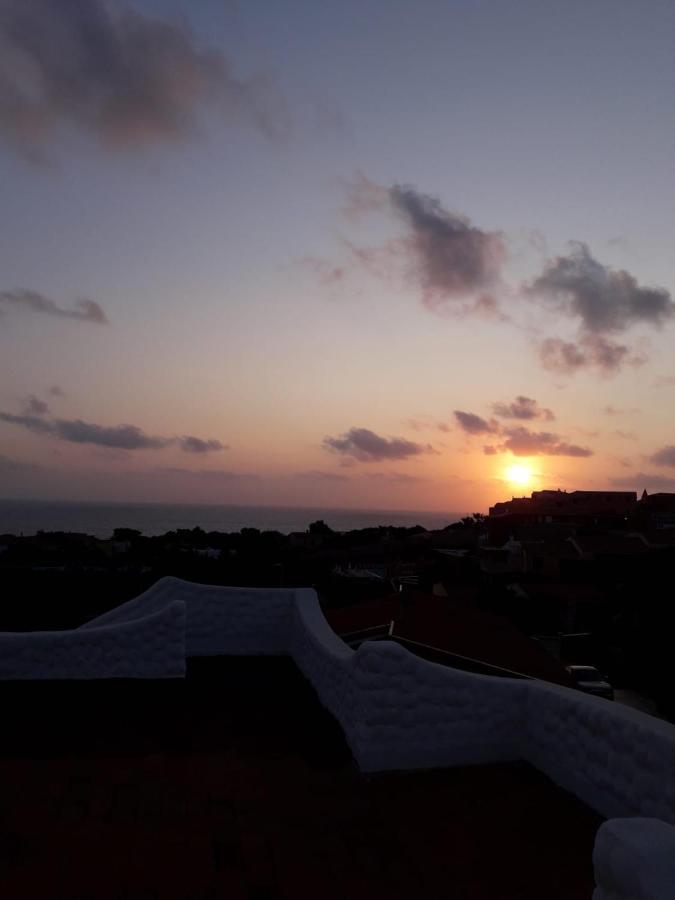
(100, 517)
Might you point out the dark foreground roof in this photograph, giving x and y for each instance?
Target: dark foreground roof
(236, 784)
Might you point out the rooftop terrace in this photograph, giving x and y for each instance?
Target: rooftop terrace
(237, 783)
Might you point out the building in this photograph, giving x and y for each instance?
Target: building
(608, 509)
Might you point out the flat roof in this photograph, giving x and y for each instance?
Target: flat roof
(236, 783)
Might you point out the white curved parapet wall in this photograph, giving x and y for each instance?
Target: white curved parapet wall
(402, 712)
(143, 646)
(220, 620)
(634, 859)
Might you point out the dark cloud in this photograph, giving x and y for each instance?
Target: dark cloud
(34, 406)
(474, 424)
(366, 446)
(115, 73)
(121, 437)
(456, 265)
(83, 310)
(604, 300)
(32, 423)
(56, 391)
(118, 437)
(592, 351)
(664, 457)
(453, 259)
(522, 408)
(196, 445)
(522, 442)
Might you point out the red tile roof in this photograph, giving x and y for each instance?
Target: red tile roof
(454, 628)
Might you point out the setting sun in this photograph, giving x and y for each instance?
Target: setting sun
(519, 475)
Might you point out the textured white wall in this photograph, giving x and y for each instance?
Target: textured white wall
(149, 646)
(634, 859)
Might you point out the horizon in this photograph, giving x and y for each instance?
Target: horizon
(242, 273)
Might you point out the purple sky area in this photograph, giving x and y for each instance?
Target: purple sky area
(367, 254)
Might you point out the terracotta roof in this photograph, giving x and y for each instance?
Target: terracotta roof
(454, 628)
(236, 783)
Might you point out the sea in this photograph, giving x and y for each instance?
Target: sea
(27, 517)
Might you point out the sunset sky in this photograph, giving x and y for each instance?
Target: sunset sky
(373, 254)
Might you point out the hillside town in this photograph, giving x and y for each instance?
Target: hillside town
(568, 587)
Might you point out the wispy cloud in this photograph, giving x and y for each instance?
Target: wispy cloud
(642, 480)
(366, 446)
(118, 74)
(119, 437)
(21, 299)
(205, 474)
(34, 406)
(319, 475)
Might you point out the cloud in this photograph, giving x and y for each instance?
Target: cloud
(394, 477)
(318, 475)
(56, 391)
(453, 258)
(366, 446)
(205, 474)
(641, 480)
(423, 422)
(474, 424)
(619, 411)
(604, 300)
(34, 406)
(455, 264)
(324, 271)
(664, 457)
(114, 73)
(522, 408)
(664, 381)
(32, 423)
(118, 437)
(592, 351)
(83, 310)
(11, 466)
(625, 435)
(191, 444)
(522, 442)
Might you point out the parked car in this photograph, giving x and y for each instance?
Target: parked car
(589, 680)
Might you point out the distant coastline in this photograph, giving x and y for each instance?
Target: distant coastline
(100, 518)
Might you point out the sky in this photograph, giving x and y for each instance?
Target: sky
(375, 254)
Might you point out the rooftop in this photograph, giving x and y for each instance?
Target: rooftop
(237, 783)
